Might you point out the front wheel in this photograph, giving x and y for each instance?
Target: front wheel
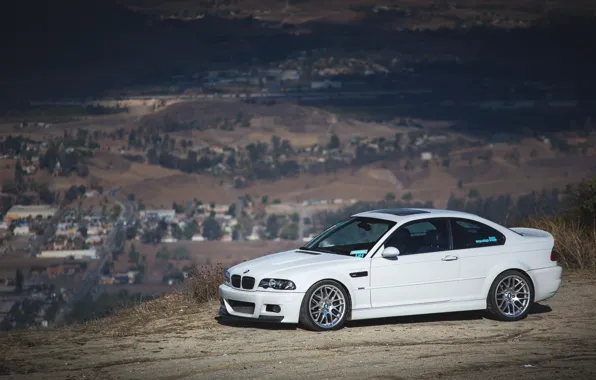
(324, 307)
(510, 296)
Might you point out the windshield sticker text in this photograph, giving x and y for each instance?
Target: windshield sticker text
(491, 239)
(359, 253)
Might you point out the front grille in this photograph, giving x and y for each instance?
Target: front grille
(242, 307)
(236, 281)
(248, 282)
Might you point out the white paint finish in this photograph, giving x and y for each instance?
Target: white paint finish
(411, 284)
(413, 279)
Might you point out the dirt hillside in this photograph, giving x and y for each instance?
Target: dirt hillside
(556, 341)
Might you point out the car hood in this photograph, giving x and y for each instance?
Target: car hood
(288, 263)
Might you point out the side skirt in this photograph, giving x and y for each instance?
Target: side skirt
(399, 311)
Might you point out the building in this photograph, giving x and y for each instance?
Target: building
(23, 212)
(23, 230)
(426, 156)
(77, 254)
(168, 215)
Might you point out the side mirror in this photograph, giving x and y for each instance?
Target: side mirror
(390, 252)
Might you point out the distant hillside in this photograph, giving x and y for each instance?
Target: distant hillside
(83, 48)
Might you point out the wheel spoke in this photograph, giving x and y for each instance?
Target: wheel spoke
(327, 306)
(512, 296)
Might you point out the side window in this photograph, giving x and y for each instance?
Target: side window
(472, 234)
(429, 235)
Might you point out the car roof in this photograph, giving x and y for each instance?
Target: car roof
(401, 214)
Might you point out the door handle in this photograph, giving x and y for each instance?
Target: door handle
(449, 258)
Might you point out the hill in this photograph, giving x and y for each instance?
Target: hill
(174, 338)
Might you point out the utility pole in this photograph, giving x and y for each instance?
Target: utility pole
(239, 209)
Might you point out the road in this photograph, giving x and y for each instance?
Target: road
(557, 340)
(91, 277)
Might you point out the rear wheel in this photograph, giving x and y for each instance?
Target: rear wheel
(510, 296)
(324, 307)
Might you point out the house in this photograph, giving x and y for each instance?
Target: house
(91, 193)
(426, 156)
(290, 75)
(23, 212)
(167, 215)
(576, 140)
(197, 237)
(79, 254)
(23, 230)
(29, 169)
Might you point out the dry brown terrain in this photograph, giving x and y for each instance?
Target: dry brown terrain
(174, 341)
(158, 187)
(433, 14)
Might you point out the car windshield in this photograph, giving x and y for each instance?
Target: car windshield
(354, 236)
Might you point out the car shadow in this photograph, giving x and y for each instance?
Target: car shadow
(440, 317)
(243, 323)
(426, 318)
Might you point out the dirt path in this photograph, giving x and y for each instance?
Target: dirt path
(557, 341)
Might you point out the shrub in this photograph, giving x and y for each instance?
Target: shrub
(575, 245)
(203, 283)
(574, 229)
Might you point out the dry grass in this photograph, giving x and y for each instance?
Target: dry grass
(575, 244)
(203, 284)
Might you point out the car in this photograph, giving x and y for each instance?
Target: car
(397, 262)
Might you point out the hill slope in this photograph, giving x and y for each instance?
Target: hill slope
(170, 339)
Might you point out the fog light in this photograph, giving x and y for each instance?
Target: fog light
(273, 308)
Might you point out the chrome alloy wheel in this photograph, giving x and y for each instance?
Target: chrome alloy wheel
(327, 306)
(512, 296)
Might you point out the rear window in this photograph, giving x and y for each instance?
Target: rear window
(472, 234)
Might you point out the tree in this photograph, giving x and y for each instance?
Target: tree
(211, 229)
(390, 196)
(265, 199)
(272, 227)
(334, 142)
(190, 230)
(133, 255)
(72, 193)
(82, 170)
(473, 193)
(407, 197)
(18, 174)
(232, 210)
(289, 232)
(83, 231)
(295, 217)
(131, 197)
(116, 211)
(19, 281)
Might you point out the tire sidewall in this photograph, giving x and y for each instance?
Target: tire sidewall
(305, 317)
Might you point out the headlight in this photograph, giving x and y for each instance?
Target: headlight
(274, 283)
(227, 277)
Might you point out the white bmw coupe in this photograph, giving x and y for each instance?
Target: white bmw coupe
(397, 262)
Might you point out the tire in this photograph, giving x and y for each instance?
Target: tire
(510, 297)
(324, 316)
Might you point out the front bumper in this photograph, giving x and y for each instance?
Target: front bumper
(253, 304)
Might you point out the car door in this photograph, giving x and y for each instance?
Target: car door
(426, 271)
(479, 248)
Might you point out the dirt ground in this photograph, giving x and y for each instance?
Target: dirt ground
(556, 341)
